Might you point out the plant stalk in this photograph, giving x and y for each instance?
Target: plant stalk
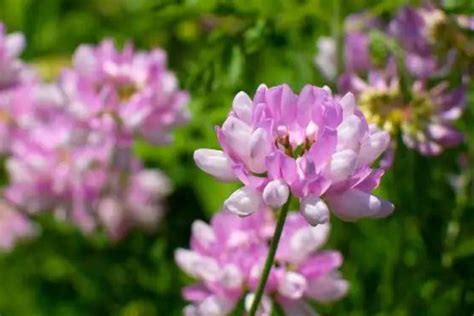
(270, 257)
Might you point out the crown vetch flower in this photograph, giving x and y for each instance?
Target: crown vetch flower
(83, 171)
(135, 87)
(314, 145)
(227, 257)
(425, 120)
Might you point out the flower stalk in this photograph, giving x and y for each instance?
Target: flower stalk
(270, 257)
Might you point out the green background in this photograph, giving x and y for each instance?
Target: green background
(420, 261)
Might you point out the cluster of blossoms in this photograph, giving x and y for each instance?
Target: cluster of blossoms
(69, 144)
(13, 75)
(409, 74)
(133, 88)
(228, 255)
(313, 145)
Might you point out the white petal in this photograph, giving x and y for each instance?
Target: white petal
(185, 260)
(327, 288)
(342, 165)
(231, 277)
(307, 240)
(354, 204)
(237, 135)
(314, 210)
(242, 106)
(348, 104)
(84, 59)
(327, 89)
(196, 265)
(215, 306)
(326, 57)
(14, 44)
(243, 202)
(276, 193)
(260, 147)
(215, 163)
(372, 147)
(203, 233)
(349, 133)
(292, 285)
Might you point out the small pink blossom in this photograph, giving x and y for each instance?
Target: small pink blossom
(426, 121)
(82, 171)
(228, 255)
(314, 145)
(134, 87)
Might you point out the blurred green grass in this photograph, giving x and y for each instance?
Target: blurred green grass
(420, 261)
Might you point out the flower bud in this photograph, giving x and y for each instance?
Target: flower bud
(215, 163)
(354, 204)
(276, 193)
(292, 285)
(314, 210)
(243, 202)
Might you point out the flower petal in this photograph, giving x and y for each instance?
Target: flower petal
(243, 202)
(354, 204)
(215, 163)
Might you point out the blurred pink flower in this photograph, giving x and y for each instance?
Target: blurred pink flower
(14, 74)
(82, 170)
(13, 71)
(69, 144)
(425, 121)
(313, 145)
(133, 87)
(13, 226)
(227, 257)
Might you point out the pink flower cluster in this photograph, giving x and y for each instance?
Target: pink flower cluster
(134, 88)
(426, 122)
(313, 145)
(227, 257)
(401, 73)
(68, 144)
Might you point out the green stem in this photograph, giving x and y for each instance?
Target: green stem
(270, 257)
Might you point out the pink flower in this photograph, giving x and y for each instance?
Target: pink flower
(69, 144)
(12, 70)
(136, 205)
(425, 121)
(82, 170)
(13, 226)
(227, 257)
(14, 74)
(135, 88)
(326, 59)
(314, 145)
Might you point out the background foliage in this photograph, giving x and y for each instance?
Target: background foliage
(420, 261)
